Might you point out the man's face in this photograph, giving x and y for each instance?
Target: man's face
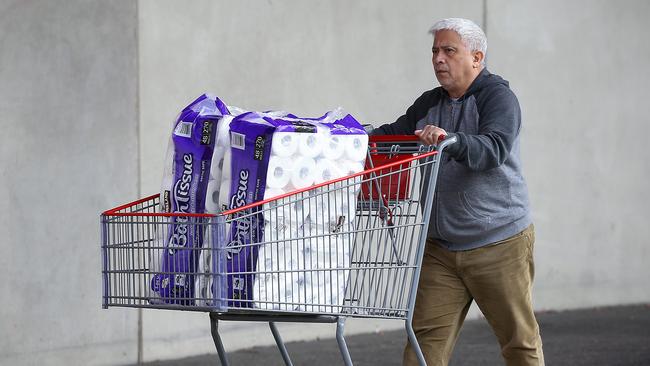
(454, 64)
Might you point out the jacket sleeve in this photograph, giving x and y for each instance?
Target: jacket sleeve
(405, 124)
(499, 126)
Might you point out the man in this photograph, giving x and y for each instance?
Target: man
(480, 238)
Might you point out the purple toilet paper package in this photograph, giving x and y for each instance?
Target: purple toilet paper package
(193, 137)
(250, 145)
(251, 137)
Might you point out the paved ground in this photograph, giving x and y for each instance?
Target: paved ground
(602, 336)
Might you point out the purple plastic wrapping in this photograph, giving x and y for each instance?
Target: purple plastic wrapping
(193, 137)
(250, 145)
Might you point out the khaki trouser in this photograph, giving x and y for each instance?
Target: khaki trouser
(499, 278)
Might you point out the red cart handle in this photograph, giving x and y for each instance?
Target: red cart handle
(399, 138)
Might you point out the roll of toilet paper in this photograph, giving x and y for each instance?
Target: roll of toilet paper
(284, 143)
(226, 165)
(272, 192)
(310, 144)
(224, 194)
(328, 263)
(350, 167)
(203, 278)
(356, 147)
(303, 172)
(216, 165)
(275, 207)
(270, 284)
(333, 213)
(212, 197)
(334, 146)
(326, 169)
(223, 131)
(279, 172)
(215, 171)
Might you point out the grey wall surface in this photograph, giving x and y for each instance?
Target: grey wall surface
(68, 150)
(89, 90)
(576, 67)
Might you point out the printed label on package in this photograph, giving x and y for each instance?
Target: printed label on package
(206, 132)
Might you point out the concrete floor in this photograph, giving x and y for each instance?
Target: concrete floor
(601, 336)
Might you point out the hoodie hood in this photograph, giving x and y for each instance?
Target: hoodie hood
(484, 79)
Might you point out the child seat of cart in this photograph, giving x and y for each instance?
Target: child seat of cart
(393, 185)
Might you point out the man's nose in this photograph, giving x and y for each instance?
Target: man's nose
(438, 58)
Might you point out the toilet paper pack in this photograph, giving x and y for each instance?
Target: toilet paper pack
(303, 152)
(184, 189)
(223, 193)
(251, 136)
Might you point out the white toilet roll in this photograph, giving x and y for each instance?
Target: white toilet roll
(356, 147)
(328, 260)
(276, 207)
(226, 165)
(284, 143)
(334, 146)
(215, 171)
(333, 213)
(203, 279)
(280, 278)
(326, 169)
(310, 144)
(279, 172)
(350, 167)
(223, 131)
(212, 197)
(272, 192)
(224, 194)
(303, 172)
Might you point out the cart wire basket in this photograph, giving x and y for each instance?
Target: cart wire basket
(349, 247)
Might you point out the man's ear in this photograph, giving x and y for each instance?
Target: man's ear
(478, 57)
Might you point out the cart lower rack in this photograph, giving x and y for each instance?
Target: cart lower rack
(350, 247)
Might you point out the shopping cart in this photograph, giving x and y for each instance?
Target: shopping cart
(349, 247)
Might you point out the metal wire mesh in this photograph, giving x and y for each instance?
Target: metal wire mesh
(349, 247)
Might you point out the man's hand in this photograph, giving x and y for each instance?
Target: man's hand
(431, 135)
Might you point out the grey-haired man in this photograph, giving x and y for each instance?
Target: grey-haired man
(480, 238)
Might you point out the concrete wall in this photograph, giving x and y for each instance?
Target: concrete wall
(68, 150)
(578, 69)
(575, 67)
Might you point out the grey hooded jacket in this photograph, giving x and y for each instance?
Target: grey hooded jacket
(481, 195)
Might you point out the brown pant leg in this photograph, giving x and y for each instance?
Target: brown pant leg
(441, 305)
(500, 279)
